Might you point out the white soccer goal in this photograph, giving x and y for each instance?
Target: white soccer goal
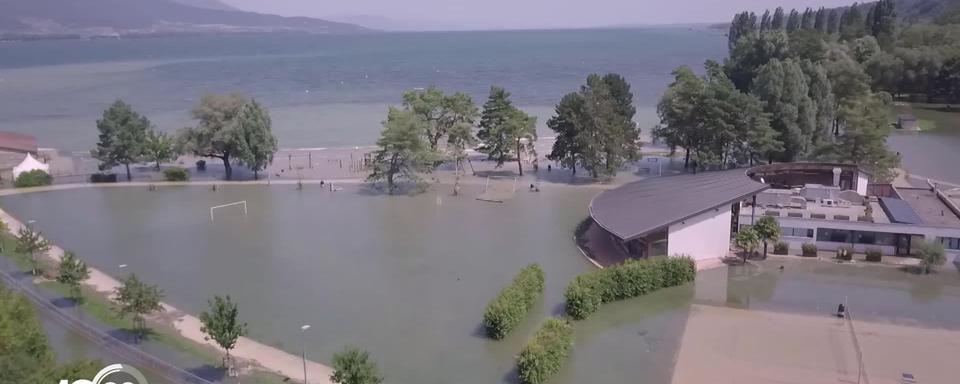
(243, 203)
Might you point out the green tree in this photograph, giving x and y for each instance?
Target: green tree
(33, 244)
(778, 21)
(503, 128)
(931, 255)
(751, 53)
(821, 95)
(256, 140)
(73, 272)
(793, 22)
(821, 22)
(833, 22)
(402, 152)
(768, 230)
(354, 366)
(123, 135)
(440, 112)
(159, 148)
(138, 299)
(680, 123)
(608, 137)
(782, 86)
(23, 343)
(217, 134)
(883, 22)
(864, 137)
(222, 324)
(743, 24)
(808, 20)
(748, 240)
(849, 82)
(947, 83)
(765, 21)
(852, 23)
(568, 123)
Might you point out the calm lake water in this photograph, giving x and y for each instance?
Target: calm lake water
(408, 277)
(324, 90)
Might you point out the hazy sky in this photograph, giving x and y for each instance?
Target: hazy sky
(528, 13)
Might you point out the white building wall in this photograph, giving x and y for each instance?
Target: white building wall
(862, 183)
(705, 236)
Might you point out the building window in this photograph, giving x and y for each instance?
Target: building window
(874, 238)
(796, 232)
(833, 235)
(950, 242)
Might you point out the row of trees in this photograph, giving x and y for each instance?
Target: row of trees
(879, 19)
(231, 127)
(594, 126)
(784, 94)
(432, 127)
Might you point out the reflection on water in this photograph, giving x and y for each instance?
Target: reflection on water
(408, 278)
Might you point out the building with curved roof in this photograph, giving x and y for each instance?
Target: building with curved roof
(831, 205)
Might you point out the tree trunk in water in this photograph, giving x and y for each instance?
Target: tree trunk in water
(686, 159)
(128, 172)
(158, 165)
(256, 174)
(519, 164)
(227, 169)
(764, 249)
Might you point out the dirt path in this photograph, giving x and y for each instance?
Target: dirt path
(247, 350)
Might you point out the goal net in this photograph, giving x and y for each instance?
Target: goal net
(499, 188)
(235, 206)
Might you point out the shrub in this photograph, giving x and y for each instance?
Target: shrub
(931, 256)
(874, 255)
(509, 308)
(546, 352)
(844, 253)
(633, 278)
(176, 174)
(103, 178)
(34, 178)
(809, 250)
(781, 248)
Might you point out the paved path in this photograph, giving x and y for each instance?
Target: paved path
(266, 357)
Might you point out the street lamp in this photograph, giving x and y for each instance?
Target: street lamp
(303, 329)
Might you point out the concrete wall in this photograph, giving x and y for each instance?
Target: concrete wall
(862, 184)
(705, 236)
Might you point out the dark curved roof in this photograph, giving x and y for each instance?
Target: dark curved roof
(641, 207)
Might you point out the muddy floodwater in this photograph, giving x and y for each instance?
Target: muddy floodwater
(407, 278)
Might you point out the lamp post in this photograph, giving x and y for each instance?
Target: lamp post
(303, 355)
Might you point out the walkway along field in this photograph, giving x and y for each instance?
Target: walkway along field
(247, 350)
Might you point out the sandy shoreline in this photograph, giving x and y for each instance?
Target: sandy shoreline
(247, 350)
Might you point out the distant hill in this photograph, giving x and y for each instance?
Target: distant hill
(924, 10)
(90, 18)
(208, 4)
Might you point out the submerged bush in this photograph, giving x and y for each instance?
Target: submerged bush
(34, 178)
(545, 353)
(809, 250)
(874, 255)
(781, 248)
(512, 304)
(633, 278)
(176, 174)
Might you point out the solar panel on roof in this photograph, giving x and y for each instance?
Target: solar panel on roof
(899, 211)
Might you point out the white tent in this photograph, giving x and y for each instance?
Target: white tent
(29, 163)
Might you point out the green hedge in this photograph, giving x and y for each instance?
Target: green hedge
(781, 248)
(543, 355)
(176, 174)
(512, 304)
(631, 279)
(874, 255)
(809, 250)
(34, 178)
